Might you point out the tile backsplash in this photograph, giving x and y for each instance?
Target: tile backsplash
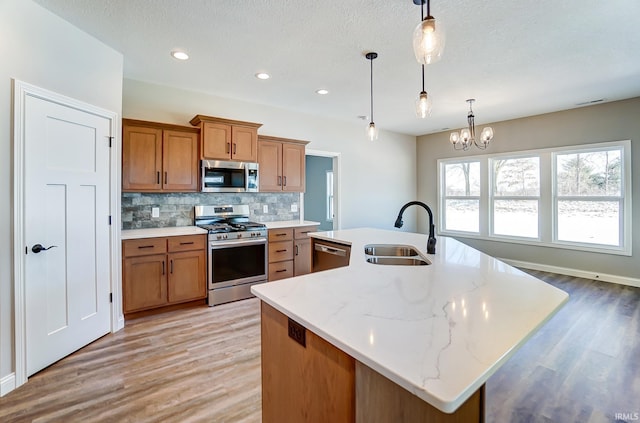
(176, 209)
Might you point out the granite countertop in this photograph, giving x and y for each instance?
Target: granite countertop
(160, 232)
(439, 331)
(290, 224)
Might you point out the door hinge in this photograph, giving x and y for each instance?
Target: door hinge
(110, 140)
(110, 297)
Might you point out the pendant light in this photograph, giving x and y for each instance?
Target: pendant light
(467, 137)
(428, 38)
(372, 131)
(423, 102)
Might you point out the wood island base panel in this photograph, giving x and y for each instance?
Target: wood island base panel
(306, 379)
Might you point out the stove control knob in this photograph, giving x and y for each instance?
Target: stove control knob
(219, 237)
(239, 236)
(225, 236)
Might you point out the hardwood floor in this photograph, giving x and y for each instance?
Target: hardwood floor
(203, 364)
(192, 365)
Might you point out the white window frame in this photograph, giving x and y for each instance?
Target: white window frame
(330, 205)
(493, 197)
(443, 197)
(547, 211)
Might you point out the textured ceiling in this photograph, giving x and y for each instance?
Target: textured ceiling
(516, 58)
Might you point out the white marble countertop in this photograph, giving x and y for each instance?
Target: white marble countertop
(439, 331)
(290, 224)
(160, 232)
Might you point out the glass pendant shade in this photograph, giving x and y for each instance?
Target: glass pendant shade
(454, 138)
(372, 132)
(465, 136)
(428, 41)
(486, 135)
(423, 105)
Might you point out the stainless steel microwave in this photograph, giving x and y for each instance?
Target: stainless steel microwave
(219, 176)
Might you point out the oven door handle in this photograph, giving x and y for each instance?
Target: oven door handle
(216, 245)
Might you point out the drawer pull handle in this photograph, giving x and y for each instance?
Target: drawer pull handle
(281, 251)
(163, 267)
(297, 252)
(281, 234)
(171, 266)
(281, 270)
(186, 243)
(145, 246)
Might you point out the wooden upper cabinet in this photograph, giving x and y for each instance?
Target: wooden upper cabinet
(293, 167)
(270, 165)
(180, 161)
(159, 157)
(224, 139)
(141, 158)
(216, 141)
(282, 164)
(244, 143)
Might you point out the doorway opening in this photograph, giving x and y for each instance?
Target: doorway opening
(321, 199)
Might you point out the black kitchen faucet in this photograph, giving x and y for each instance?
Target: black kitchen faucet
(431, 241)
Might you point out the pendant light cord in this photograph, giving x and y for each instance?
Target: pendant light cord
(422, 19)
(371, 60)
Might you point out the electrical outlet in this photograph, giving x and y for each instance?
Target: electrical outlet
(265, 208)
(294, 208)
(155, 211)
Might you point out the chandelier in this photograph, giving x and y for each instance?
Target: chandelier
(466, 137)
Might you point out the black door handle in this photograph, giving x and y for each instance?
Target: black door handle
(37, 248)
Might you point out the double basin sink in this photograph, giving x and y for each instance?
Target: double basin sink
(394, 255)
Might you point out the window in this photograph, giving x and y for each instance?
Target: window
(589, 201)
(516, 196)
(462, 197)
(329, 195)
(576, 197)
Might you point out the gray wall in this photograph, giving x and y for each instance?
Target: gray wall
(315, 196)
(176, 209)
(599, 123)
(39, 48)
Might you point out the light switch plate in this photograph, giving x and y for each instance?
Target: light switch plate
(155, 211)
(294, 208)
(265, 208)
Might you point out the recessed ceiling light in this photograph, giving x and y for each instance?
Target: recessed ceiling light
(263, 75)
(322, 91)
(180, 55)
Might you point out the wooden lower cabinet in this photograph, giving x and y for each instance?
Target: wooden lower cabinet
(163, 271)
(290, 252)
(187, 270)
(145, 282)
(317, 382)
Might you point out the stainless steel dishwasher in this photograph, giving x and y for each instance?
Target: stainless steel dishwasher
(329, 255)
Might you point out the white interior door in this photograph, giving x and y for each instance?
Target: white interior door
(66, 209)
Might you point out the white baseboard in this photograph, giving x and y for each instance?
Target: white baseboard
(7, 384)
(622, 280)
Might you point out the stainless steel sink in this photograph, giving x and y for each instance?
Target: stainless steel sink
(390, 250)
(398, 261)
(394, 255)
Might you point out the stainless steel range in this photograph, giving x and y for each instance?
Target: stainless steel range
(237, 253)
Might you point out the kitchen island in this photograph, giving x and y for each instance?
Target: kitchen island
(437, 331)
